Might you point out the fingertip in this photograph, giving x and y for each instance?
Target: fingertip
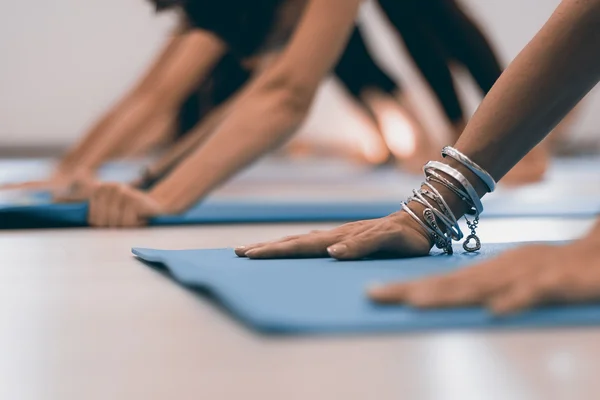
(240, 251)
(252, 253)
(512, 302)
(338, 250)
(377, 291)
(382, 293)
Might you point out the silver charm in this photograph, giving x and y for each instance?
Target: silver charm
(472, 249)
(473, 236)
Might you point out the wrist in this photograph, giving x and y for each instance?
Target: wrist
(171, 197)
(407, 222)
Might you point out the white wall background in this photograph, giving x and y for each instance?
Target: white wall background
(62, 62)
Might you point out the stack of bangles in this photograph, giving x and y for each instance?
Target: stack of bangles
(438, 219)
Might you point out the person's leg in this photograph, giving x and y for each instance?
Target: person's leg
(403, 133)
(428, 54)
(358, 73)
(464, 40)
(467, 44)
(357, 70)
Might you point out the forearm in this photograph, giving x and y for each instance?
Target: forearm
(183, 65)
(544, 82)
(114, 131)
(260, 123)
(183, 147)
(123, 128)
(74, 155)
(96, 135)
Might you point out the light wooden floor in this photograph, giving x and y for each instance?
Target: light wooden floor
(81, 319)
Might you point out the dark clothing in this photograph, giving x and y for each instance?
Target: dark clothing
(437, 32)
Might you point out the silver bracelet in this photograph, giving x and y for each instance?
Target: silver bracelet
(450, 226)
(474, 168)
(432, 176)
(436, 238)
(444, 242)
(460, 178)
(447, 216)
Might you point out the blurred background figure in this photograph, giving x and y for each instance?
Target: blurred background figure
(182, 97)
(191, 80)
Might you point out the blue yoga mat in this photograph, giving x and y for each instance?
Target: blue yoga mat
(366, 197)
(304, 296)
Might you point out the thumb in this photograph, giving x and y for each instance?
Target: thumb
(354, 248)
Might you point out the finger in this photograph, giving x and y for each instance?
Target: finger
(313, 244)
(106, 206)
(116, 202)
(358, 246)
(518, 297)
(567, 283)
(426, 288)
(241, 251)
(471, 285)
(92, 206)
(578, 285)
(129, 216)
(390, 293)
(468, 286)
(465, 290)
(305, 246)
(98, 207)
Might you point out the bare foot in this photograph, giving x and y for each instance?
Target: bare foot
(531, 168)
(402, 131)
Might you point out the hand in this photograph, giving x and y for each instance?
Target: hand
(59, 178)
(76, 187)
(65, 186)
(119, 205)
(396, 235)
(514, 281)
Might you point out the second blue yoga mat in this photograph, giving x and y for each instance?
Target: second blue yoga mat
(366, 197)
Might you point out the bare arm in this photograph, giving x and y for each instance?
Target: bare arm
(183, 147)
(544, 82)
(186, 60)
(272, 107)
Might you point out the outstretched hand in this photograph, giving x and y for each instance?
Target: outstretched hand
(120, 205)
(396, 235)
(65, 186)
(514, 281)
